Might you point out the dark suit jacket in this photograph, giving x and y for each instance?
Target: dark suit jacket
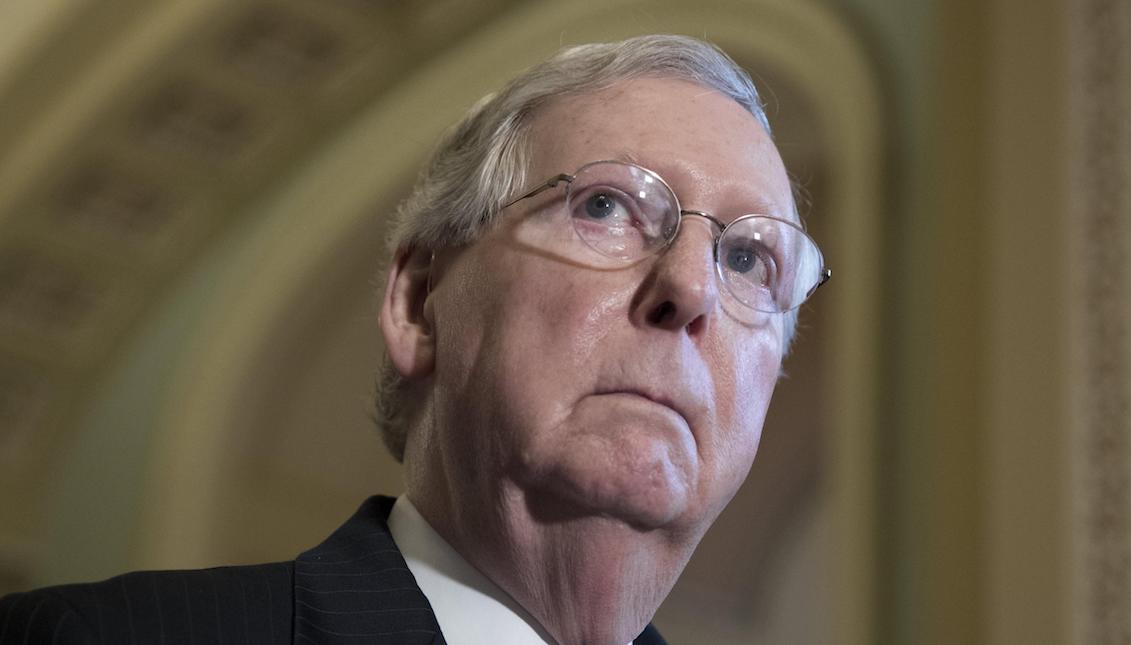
(353, 588)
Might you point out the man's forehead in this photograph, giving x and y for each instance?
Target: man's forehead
(636, 120)
(688, 134)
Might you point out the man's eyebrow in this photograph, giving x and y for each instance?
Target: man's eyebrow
(763, 206)
(758, 205)
(627, 157)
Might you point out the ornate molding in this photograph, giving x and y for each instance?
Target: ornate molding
(132, 144)
(1101, 301)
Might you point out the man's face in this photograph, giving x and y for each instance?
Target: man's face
(632, 393)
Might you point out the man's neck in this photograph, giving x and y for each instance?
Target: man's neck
(470, 608)
(585, 579)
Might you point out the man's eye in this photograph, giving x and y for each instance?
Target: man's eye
(601, 206)
(741, 260)
(753, 263)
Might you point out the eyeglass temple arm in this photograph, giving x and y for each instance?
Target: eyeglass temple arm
(826, 274)
(550, 183)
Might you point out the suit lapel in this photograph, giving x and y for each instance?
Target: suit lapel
(355, 587)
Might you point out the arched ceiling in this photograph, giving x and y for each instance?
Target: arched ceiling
(136, 133)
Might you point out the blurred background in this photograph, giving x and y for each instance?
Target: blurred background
(192, 202)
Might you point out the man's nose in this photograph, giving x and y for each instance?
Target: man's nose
(682, 289)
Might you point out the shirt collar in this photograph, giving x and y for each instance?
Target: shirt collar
(471, 609)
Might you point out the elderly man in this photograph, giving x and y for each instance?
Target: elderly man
(592, 288)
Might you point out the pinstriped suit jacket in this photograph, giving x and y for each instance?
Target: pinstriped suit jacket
(353, 588)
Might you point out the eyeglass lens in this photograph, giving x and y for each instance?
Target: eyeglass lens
(625, 212)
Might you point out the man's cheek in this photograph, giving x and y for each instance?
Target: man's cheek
(743, 411)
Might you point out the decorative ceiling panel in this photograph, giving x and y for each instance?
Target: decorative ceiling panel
(219, 102)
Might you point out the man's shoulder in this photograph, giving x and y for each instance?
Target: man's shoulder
(250, 603)
(650, 636)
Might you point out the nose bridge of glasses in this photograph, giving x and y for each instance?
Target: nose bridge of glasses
(688, 265)
(710, 225)
(707, 216)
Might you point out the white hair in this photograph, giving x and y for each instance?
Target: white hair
(481, 162)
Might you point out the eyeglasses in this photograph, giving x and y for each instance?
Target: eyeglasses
(625, 213)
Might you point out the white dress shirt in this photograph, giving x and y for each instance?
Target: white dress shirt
(471, 609)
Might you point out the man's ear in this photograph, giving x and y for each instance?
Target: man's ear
(409, 338)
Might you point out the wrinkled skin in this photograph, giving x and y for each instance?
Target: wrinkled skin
(584, 427)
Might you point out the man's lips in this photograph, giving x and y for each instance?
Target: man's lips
(654, 397)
